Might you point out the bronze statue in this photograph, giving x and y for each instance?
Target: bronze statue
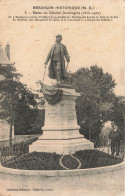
(57, 55)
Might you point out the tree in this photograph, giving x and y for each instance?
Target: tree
(18, 105)
(26, 112)
(117, 115)
(7, 101)
(95, 103)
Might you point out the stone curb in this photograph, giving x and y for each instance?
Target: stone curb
(62, 173)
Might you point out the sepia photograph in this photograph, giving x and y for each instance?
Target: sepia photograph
(62, 98)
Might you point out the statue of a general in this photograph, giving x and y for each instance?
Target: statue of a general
(57, 55)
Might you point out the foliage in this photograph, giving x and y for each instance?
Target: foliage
(95, 104)
(7, 99)
(96, 158)
(34, 161)
(117, 114)
(17, 103)
(51, 161)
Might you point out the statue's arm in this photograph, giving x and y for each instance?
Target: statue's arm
(48, 56)
(66, 54)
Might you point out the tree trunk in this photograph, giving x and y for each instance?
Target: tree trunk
(11, 121)
(124, 125)
(10, 140)
(89, 130)
(10, 136)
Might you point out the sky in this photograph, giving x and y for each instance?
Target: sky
(88, 43)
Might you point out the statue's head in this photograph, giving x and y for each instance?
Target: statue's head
(58, 38)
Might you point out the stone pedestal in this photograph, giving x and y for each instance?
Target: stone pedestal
(60, 131)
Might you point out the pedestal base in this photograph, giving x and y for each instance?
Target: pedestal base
(69, 146)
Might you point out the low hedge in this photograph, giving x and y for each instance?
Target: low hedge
(50, 161)
(96, 158)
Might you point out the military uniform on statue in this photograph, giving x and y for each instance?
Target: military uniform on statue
(57, 55)
(60, 131)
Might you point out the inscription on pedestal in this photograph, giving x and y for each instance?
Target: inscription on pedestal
(71, 116)
(52, 114)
